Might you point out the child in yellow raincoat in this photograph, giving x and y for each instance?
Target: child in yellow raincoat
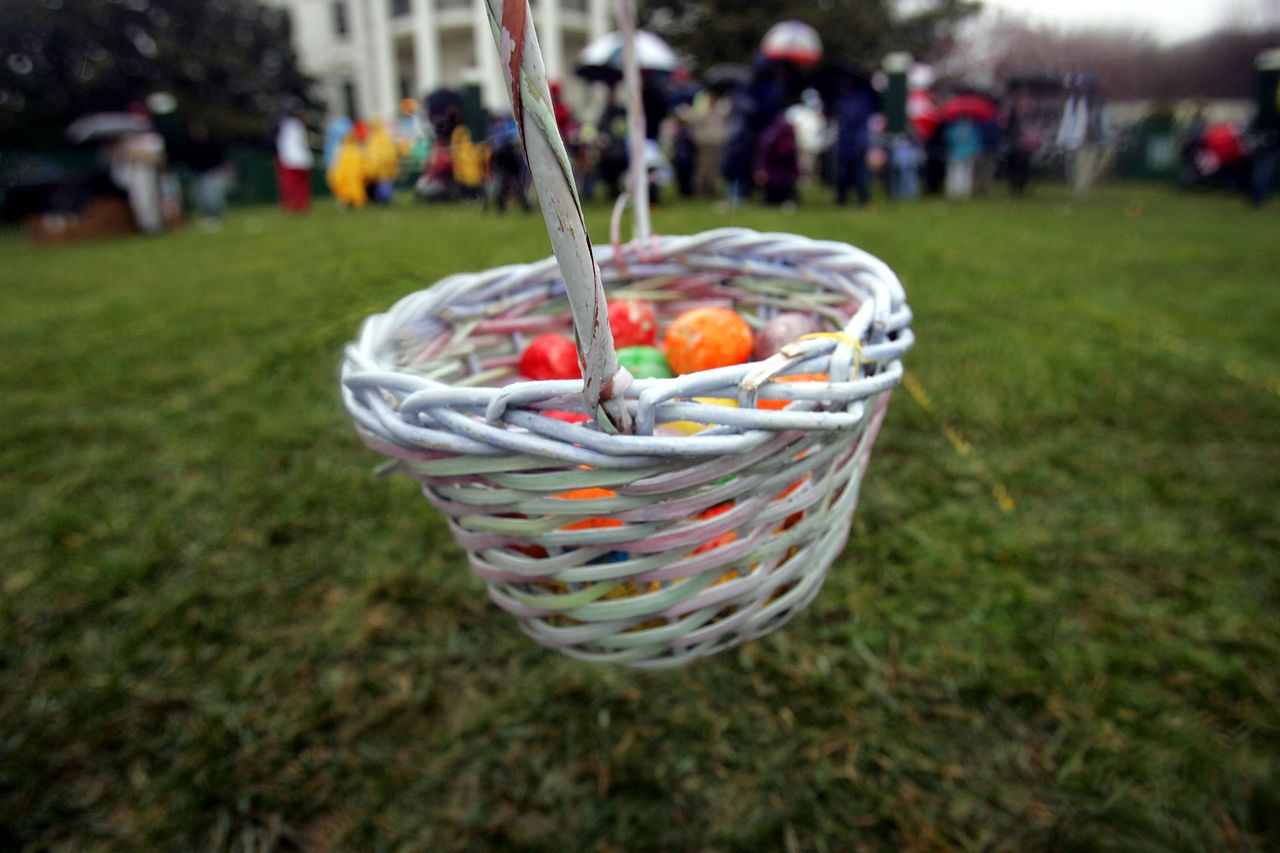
(381, 162)
(468, 161)
(347, 177)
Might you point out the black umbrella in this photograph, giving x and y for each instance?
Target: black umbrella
(727, 76)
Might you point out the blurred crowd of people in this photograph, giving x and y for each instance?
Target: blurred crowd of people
(760, 133)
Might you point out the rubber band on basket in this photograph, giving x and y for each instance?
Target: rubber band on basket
(852, 343)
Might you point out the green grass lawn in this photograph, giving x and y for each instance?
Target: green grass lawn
(1055, 625)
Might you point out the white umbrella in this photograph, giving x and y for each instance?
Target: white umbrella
(99, 126)
(792, 41)
(602, 58)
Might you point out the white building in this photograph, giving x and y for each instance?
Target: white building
(367, 55)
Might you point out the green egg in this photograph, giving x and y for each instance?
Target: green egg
(645, 362)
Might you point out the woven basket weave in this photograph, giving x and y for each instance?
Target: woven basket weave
(618, 539)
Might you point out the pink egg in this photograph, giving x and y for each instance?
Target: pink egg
(782, 330)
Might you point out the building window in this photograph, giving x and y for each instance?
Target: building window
(349, 99)
(341, 27)
(399, 7)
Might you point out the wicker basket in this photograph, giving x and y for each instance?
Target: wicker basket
(618, 539)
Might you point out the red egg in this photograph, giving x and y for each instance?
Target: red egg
(633, 324)
(567, 417)
(723, 538)
(550, 357)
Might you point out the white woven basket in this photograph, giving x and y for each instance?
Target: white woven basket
(612, 539)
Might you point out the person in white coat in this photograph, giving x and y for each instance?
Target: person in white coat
(293, 164)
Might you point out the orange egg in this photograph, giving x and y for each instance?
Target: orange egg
(799, 377)
(705, 338)
(588, 494)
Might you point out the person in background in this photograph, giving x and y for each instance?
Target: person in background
(964, 144)
(745, 124)
(135, 163)
(777, 166)
(684, 152)
(653, 95)
(582, 156)
(208, 161)
(1020, 142)
(658, 171)
(382, 164)
(468, 164)
(611, 141)
(565, 121)
(988, 155)
(506, 163)
(905, 159)
(709, 124)
(335, 133)
(293, 163)
(1264, 130)
(347, 174)
(1078, 137)
(852, 113)
(811, 132)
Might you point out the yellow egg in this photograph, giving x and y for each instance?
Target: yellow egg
(691, 427)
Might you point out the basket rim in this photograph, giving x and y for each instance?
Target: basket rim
(412, 410)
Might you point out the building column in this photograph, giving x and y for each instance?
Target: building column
(492, 88)
(426, 47)
(353, 67)
(550, 38)
(598, 22)
(381, 53)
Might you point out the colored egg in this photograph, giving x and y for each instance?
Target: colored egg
(611, 557)
(629, 589)
(633, 323)
(550, 357)
(645, 362)
(782, 330)
(589, 494)
(567, 417)
(706, 338)
(691, 427)
(797, 516)
(790, 490)
(798, 377)
(722, 539)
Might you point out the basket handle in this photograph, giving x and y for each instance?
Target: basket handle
(639, 178)
(603, 380)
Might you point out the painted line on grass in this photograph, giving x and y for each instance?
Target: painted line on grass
(961, 445)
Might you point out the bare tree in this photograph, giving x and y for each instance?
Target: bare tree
(1128, 63)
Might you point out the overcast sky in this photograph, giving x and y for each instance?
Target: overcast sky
(1169, 20)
